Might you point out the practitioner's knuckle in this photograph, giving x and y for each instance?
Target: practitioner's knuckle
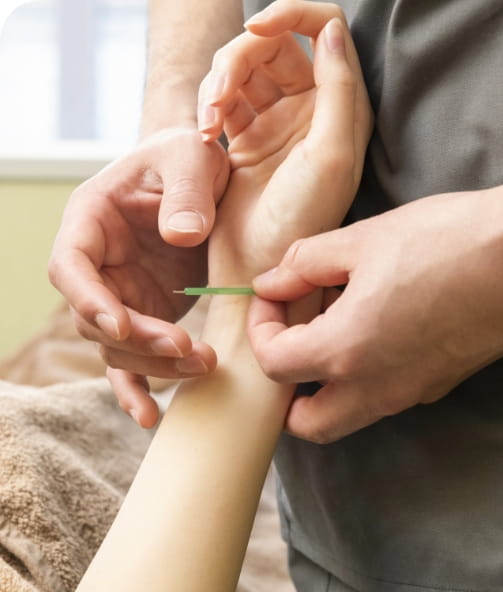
(270, 362)
(86, 307)
(83, 328)
(347, 364)
(347, 367)
(182, 187)
(265, 361)
(294, 255)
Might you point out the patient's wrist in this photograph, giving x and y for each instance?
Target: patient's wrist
(225, 325)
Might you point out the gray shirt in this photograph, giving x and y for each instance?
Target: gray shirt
(415, 502)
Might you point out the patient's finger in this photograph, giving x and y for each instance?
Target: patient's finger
(340, 89)
(282, 59)
(238, 116)
(261, 90)
(262, 70)
(256, 95)
(231, 118)
(210, 119)
(301, 16)
(333, 119)
(325, 161)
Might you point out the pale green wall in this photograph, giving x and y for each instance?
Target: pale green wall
(30, 213)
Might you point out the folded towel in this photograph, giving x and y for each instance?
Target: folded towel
(67, 457)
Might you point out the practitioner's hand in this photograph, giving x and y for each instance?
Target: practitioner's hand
(129, 237)
(421, 311)
(297, 135)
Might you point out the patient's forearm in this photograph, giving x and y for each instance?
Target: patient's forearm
(185, 523)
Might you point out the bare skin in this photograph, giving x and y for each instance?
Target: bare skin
(420, 313)
(186, 520)
(137, 230)
(279, 101)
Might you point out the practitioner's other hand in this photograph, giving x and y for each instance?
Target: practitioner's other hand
(129, 237)
(421, 311)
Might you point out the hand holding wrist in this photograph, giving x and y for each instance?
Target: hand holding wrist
(421, 311)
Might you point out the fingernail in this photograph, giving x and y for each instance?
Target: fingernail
(216, 87)
(165, 346)
(191, 365)
(188, 221)
(207, 137)
(108, 324)
(207, 118)
(334, 37)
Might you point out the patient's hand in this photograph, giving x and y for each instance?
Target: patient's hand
(298, 133)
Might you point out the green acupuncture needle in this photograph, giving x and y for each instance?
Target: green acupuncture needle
(209, 290)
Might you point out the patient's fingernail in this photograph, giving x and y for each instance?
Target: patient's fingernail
(216, 86)
(108, 324)
(334, 37)
(191, 365)
(207, 118)
(188, 221)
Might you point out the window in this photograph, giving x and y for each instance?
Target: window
(71, 70)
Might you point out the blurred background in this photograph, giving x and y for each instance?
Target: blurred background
(71, 78)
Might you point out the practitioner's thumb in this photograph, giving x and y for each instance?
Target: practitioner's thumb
(193, 181)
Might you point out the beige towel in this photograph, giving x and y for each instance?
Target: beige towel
(68, 455)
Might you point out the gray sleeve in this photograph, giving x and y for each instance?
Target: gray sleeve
(434, 73)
